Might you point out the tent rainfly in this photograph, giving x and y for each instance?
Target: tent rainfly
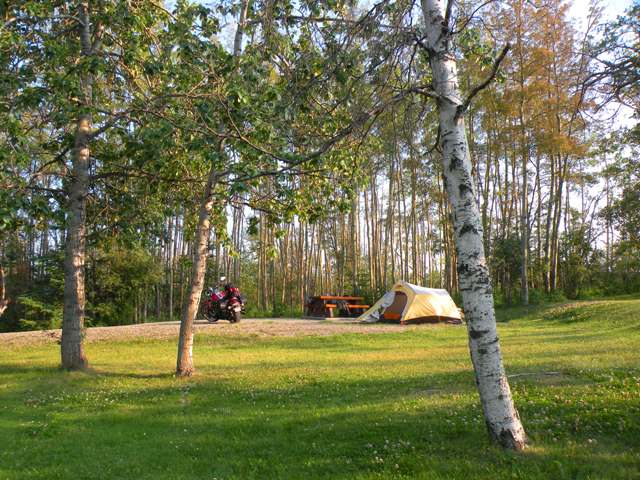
(408, 303)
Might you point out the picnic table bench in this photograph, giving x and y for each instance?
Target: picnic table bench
(324, 305)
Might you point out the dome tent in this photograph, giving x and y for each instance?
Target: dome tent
(408, 303)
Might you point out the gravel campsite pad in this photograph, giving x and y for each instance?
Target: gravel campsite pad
(278, 327)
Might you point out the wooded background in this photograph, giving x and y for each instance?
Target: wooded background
(317, 188)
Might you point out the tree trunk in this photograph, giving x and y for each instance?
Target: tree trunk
(524, 210)
(72, 351)
(500, 413)
(136, 309)
(184, 367)
(547, 241)
(158, 303)
(4, 302)
(145, 303)
(524, 235)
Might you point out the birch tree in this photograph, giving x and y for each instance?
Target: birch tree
(500, 414)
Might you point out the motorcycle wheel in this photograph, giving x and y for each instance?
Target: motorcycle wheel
(237, 316)
(210, 318)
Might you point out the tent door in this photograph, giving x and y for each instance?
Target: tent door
(395, 310)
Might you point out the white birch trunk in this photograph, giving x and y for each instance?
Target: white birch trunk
(500, 414)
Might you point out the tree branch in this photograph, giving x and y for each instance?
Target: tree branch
(478, 88)
(447, 15)
(468, 20)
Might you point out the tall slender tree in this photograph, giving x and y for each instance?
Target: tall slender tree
(184, 365)
(501, 416)
(72, 351)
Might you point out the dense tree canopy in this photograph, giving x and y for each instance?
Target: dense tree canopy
(324, 148)
(301, 148)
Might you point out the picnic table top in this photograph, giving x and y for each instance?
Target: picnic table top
(337, 297)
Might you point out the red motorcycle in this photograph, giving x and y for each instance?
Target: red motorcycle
(226, 304)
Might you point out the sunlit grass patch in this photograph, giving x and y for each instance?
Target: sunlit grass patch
(397, 405)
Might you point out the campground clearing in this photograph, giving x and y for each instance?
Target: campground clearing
(265, 327)
(303, 399)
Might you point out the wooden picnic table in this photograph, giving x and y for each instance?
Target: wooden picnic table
(324, 305)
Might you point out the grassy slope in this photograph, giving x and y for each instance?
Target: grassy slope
(346, 407)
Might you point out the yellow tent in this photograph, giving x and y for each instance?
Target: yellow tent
(410, 303)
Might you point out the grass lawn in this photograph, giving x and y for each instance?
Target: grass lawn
(352, 406)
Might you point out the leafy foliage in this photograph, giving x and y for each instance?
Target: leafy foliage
(319, 119)
(120, 275)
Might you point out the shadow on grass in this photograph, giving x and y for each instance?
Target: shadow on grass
(89, 373)
(424, 426)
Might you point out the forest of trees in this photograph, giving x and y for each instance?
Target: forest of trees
(309, 133)
(298, 148)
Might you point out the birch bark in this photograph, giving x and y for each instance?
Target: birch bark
(500, 414)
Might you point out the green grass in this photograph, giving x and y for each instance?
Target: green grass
(400, 405)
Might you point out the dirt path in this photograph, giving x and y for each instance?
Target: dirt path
(277, 327)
